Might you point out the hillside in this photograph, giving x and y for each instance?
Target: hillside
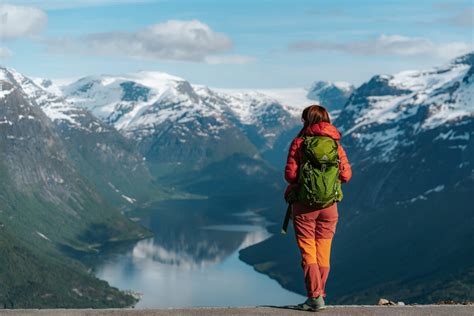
(406, 219)
(49, 209)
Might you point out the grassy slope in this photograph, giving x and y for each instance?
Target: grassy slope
(34, 270)
(42, 194)
(111, 164)
(32, 278)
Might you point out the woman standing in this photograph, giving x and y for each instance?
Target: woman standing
(315, 223)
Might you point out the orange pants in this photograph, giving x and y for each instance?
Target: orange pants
(314, 231)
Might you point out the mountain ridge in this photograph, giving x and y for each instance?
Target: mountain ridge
(334, 93)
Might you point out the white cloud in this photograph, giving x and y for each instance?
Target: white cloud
(5, 52)
(395, 45)
(172, 40)
(20, 21)
(229, 59)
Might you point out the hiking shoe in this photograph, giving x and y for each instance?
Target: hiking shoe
(320, 305)
(313, 304)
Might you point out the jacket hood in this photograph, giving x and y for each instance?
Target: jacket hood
(323, 129)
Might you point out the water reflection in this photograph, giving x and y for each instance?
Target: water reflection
(193, 260)
(199, 249)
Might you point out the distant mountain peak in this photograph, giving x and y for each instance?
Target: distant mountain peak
(162, 111)
(156, 75)
(332, 95)
(467, 59)
(388, 110)
(321, 84)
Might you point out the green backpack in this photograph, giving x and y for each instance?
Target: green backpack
(319, 183)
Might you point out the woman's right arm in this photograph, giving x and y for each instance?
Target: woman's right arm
(293, 161)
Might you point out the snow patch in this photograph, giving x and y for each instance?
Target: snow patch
(385, 140)
(423, 196)
(42, 236)
(77, 291)
(113, 187)
(129, 199)
(450, 135)
(5, 93)
(5, 121)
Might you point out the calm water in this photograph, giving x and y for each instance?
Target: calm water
(193, 259)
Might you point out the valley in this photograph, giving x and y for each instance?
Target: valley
(79, 161)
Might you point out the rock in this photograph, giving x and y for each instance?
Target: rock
(401, 303)
(386, 302)
(446, 302)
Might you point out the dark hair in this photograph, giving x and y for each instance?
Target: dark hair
(313, 114)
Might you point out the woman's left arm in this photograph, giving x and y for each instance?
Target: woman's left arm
(293, 161)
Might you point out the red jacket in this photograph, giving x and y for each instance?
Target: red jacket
(294, 155)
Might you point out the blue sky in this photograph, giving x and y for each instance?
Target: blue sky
(233, 44)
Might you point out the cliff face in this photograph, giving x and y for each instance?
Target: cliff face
(97, 150)
(48, 206)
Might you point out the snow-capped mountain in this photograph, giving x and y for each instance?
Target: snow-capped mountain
(411, 133)
(41, 186)
(99, 152)
(407, 212)
(126, 101)
(410, 140)
(55, 108)
(332, 95)
(388, 112)
(173, 120)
